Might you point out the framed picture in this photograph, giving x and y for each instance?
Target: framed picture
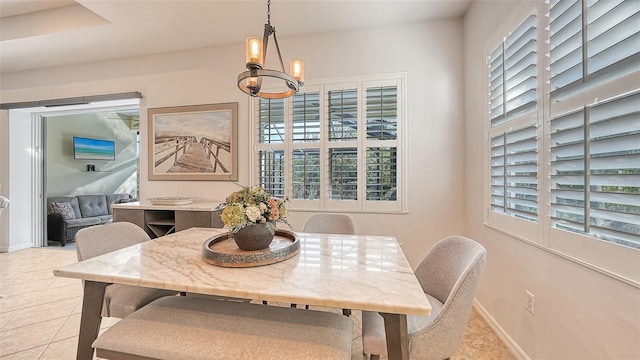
(198, 142)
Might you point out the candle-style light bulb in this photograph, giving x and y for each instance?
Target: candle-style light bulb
(296, 69)
(252, 82)
(254, 52)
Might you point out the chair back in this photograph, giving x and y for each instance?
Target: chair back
(451, 273)
(101, 239)
(330, 224)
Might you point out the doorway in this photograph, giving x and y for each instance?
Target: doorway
(71, 165)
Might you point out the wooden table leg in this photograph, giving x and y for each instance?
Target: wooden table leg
(395, 326)
(90, 318)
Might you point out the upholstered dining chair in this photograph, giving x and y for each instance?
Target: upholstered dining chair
(331, 224)
(449, 276)
(119, 300)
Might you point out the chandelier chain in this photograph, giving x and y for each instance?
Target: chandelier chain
(269, 12)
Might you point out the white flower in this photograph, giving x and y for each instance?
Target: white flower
(253, 213)
(263, 207)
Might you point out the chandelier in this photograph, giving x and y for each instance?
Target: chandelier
(250, 81)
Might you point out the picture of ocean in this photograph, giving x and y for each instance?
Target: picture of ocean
(93, 149)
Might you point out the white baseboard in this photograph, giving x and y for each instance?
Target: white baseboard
(515, 349)
(15, 248)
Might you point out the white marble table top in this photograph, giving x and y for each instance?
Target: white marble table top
(342, 271)
(147, 205)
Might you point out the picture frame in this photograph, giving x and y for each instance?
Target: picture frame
(194, 142)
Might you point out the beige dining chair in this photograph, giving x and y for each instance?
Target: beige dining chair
(119, 300)
(449, 276)
(330, 224)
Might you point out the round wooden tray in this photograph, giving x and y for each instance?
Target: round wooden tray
(222, 250)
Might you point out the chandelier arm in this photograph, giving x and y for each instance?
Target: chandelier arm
(275, 40)
(292, 84)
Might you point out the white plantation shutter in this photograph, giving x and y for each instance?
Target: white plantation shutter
(520, 68)
(306, 117)
(382, 113)
(514, 171)
(595, 149)
(382, 173)
(584, 201)
(513, 74)
(603, 201)
(613, 34)
(271, 171)
(592, 40)
(565, 28)
(343, 115)
(381, 105)
(271, 121)
(306, 174)
(305, 152)
(496, 86)
(343, 174)
(333, 146)
(513, 134)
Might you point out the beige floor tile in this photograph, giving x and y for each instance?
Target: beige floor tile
(57, 293)
(15, 302)
(40, 313)
(59, 350)
(70, 328)
(27, 337)
(61, 282)
(6, 316)
(31, 354)
(36, 275)
(25, 287)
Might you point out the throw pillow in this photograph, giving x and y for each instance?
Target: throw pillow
(65, 209)
(124, 201)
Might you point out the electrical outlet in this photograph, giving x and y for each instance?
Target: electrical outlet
(531, 302)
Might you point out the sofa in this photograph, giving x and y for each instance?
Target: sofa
(66, 215)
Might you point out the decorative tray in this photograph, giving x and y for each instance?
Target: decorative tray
(222, 250)
(171, 200)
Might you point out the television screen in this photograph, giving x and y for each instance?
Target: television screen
(93, 149)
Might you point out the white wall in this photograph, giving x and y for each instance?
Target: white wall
(4, 177)
(430, 53)
(16, 232)
(68, 176)
(579, 313)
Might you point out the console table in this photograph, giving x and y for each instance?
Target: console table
(160, 220)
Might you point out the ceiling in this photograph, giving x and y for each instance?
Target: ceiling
(47, 33)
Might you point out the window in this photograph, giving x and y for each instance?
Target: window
(595, 145)
(564, 127)
(334, 146)
(595, 170)
(591, 42)
(513, 134)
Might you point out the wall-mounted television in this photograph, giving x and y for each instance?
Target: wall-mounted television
(93, 149)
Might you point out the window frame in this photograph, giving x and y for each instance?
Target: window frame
(520, 228)
(324, 203)
(608, 258)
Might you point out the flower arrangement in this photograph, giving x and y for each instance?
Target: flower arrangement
(253, 205)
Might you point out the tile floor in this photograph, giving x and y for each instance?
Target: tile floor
(40, 313)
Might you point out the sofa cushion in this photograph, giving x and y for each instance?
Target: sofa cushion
(115, 199)
(83, 222)
(93, 205)
(69, 199)
(64, 209)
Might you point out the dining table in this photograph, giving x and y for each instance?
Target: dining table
(358, 272)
